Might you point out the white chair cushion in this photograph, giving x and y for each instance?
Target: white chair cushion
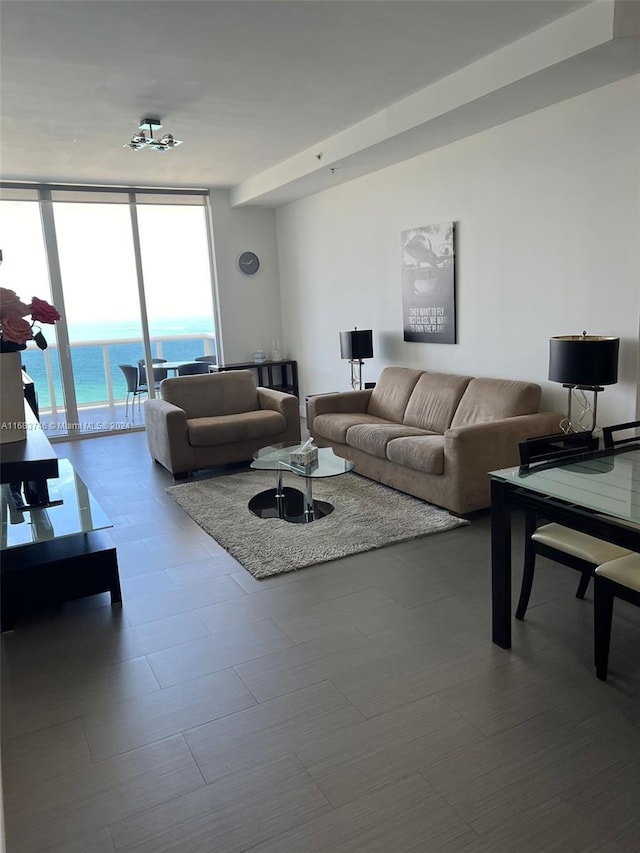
(624, 570)
(578, 544)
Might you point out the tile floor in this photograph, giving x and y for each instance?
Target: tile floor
(355, 706)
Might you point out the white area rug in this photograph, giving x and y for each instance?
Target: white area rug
(366, 515)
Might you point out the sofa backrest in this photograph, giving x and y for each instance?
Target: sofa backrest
(492, 399)
(434, 401)
(390, 396)
(212, 394)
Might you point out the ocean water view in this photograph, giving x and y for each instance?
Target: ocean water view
(181, 339)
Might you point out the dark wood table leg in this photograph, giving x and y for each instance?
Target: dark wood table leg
(115, 591)
(500, 565)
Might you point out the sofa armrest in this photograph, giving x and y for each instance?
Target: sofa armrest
(342, 402)
(494, 445)
(167, 437)
(472, 451)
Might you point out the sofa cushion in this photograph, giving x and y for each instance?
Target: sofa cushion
(493, 399)
(434, 401)
(231, 429)
(422, 453)
(373, 438)
(334, 426)
(390, 396)
(212, 394)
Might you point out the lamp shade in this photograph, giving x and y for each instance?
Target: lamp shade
(589, 360)
(356, 344)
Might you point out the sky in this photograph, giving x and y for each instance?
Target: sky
(97, 260)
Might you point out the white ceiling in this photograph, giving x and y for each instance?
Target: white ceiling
(246, 85)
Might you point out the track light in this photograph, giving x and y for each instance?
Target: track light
(141, 140)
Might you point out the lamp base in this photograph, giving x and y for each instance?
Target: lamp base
(356, 373)
(568, 425)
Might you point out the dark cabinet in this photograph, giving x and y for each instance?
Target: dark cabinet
(279, 375)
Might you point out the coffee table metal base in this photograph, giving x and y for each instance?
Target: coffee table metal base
(289, 505)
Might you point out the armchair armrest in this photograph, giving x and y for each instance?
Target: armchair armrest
(286, 404)
(277, 401)
(342, 402)
(167, 437)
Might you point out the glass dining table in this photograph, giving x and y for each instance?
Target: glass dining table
(596, 493)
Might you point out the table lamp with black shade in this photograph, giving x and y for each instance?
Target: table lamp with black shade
(583, 363)
(356, 345)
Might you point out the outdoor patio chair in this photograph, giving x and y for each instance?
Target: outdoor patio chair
(159, 373)
(134, 387)
(193, 369)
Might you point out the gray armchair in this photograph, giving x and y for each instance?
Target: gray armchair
(214, 419)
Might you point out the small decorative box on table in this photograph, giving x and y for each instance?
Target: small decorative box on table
(304, 455)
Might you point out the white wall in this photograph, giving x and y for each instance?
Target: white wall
(548, 223)
(249, 306)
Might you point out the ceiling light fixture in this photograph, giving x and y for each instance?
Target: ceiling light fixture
(141, 140)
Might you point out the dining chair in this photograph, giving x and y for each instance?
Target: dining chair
(561, 544)
(611, 442)
(193, 368)
(134, 387)
(210, 359)
(615, 579)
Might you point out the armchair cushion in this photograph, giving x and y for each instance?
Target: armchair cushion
(226, 429)
(212, 394)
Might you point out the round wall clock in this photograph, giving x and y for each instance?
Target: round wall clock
(248, 263)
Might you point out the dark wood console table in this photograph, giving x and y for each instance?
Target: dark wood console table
(33, 458)
(279, 375)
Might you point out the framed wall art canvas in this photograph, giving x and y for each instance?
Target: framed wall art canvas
(428, 284)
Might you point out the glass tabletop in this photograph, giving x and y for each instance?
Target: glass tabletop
(72, 510)
(277, 456)
(605, 482)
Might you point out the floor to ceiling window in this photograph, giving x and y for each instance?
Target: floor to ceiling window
(25, 271)
(177, 277)
(130, 272)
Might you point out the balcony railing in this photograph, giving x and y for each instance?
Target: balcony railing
(99, 384)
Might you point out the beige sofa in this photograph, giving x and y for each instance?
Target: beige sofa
(432, 435)
(217, 418)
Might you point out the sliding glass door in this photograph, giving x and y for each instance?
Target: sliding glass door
(131, 274)
(25, 271)
(101, 308)
(177, 279)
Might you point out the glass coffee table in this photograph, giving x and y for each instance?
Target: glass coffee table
(288, 503)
